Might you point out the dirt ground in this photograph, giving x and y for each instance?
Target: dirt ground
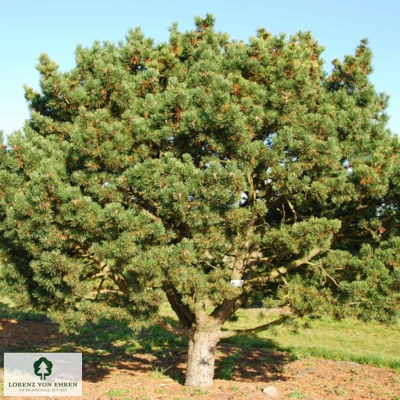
(130, 376)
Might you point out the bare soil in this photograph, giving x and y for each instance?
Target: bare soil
(129, 376)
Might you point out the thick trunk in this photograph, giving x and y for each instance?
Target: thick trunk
(201, 356)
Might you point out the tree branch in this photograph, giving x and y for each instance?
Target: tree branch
(292, 208)
(227, 308)
(329, 276)
(120, 282)
(349, 238)
(285, 269)
(252, 331)
(178, 330)
(152, 207)
(361, 209)
(185, 316)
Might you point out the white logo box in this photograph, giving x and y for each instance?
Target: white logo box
(42, 374)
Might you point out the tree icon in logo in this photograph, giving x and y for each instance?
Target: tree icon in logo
(42, 367)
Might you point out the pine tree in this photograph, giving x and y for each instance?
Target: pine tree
(153, 173)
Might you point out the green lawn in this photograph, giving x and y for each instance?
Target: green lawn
(348, 340)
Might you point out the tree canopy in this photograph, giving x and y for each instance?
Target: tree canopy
(162, 172)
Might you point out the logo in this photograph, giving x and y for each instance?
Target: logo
(43, 368)
(42, 374)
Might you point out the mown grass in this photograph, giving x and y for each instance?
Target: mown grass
(347, 340)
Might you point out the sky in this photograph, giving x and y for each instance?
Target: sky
(28, 28)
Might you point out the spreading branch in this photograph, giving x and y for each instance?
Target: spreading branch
(186, 318)
(284, 269)
(178, 330)
(253, 331)
(228, 307)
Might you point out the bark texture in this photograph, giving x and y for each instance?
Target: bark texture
(201, 357)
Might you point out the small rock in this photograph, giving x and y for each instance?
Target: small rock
(271, 391)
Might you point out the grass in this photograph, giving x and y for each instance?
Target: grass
(347, 340)
(197, 391)
(297, 395)
(118, 392)
(228, 365)
(8, 310)
(158, 372)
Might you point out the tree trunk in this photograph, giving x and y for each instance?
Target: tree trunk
(201, 356)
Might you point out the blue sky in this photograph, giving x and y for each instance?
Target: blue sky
(29, 27)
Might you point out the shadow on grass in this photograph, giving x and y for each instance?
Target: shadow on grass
(12, 313)
(111, 345)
